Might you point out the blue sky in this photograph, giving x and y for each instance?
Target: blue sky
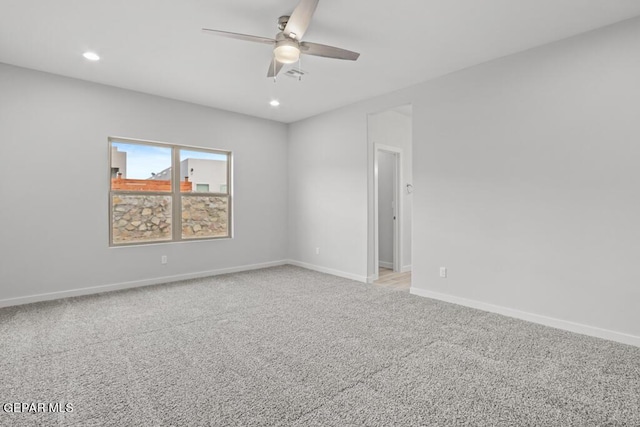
(142, 160)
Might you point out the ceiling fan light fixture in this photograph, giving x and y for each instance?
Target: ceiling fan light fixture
(287, 51)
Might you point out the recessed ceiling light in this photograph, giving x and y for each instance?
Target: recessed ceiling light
(91, 56)
(274, 103)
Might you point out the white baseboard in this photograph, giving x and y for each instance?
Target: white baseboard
(331, 271)
(134, 284)
(373, 278)
(405, 268)
(535, 318)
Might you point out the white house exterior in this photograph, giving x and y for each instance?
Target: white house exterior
(206, 176)
(118, 162)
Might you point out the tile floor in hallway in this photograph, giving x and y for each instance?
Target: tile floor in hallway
(398, 281)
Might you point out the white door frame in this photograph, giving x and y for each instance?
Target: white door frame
(397, 200)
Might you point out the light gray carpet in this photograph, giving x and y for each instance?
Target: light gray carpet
(288, 346)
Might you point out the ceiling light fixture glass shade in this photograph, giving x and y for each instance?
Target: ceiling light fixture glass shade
(287, 51)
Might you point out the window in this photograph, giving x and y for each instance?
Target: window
(163, 193)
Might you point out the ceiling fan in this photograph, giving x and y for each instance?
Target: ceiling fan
(287, 46)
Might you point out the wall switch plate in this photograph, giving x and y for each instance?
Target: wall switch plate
(443, 271)
(317, 251)
(163, 260)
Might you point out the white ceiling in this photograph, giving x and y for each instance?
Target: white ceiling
(156, 46)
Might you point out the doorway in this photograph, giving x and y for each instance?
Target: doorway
(390, 204)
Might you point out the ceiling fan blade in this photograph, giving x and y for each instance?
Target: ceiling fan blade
(239, 36)
(300, 19)
(316, 49)
(274, 67)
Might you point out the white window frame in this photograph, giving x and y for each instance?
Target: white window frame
(175, 193)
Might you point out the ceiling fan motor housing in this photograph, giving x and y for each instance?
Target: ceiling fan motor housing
(282, 22)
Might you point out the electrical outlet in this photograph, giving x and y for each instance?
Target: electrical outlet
(443, 271)
(163, 259)
(317, 251)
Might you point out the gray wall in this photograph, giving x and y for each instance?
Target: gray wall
(526, 181)
(55, 218)
(328, 193)
(386, 181)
